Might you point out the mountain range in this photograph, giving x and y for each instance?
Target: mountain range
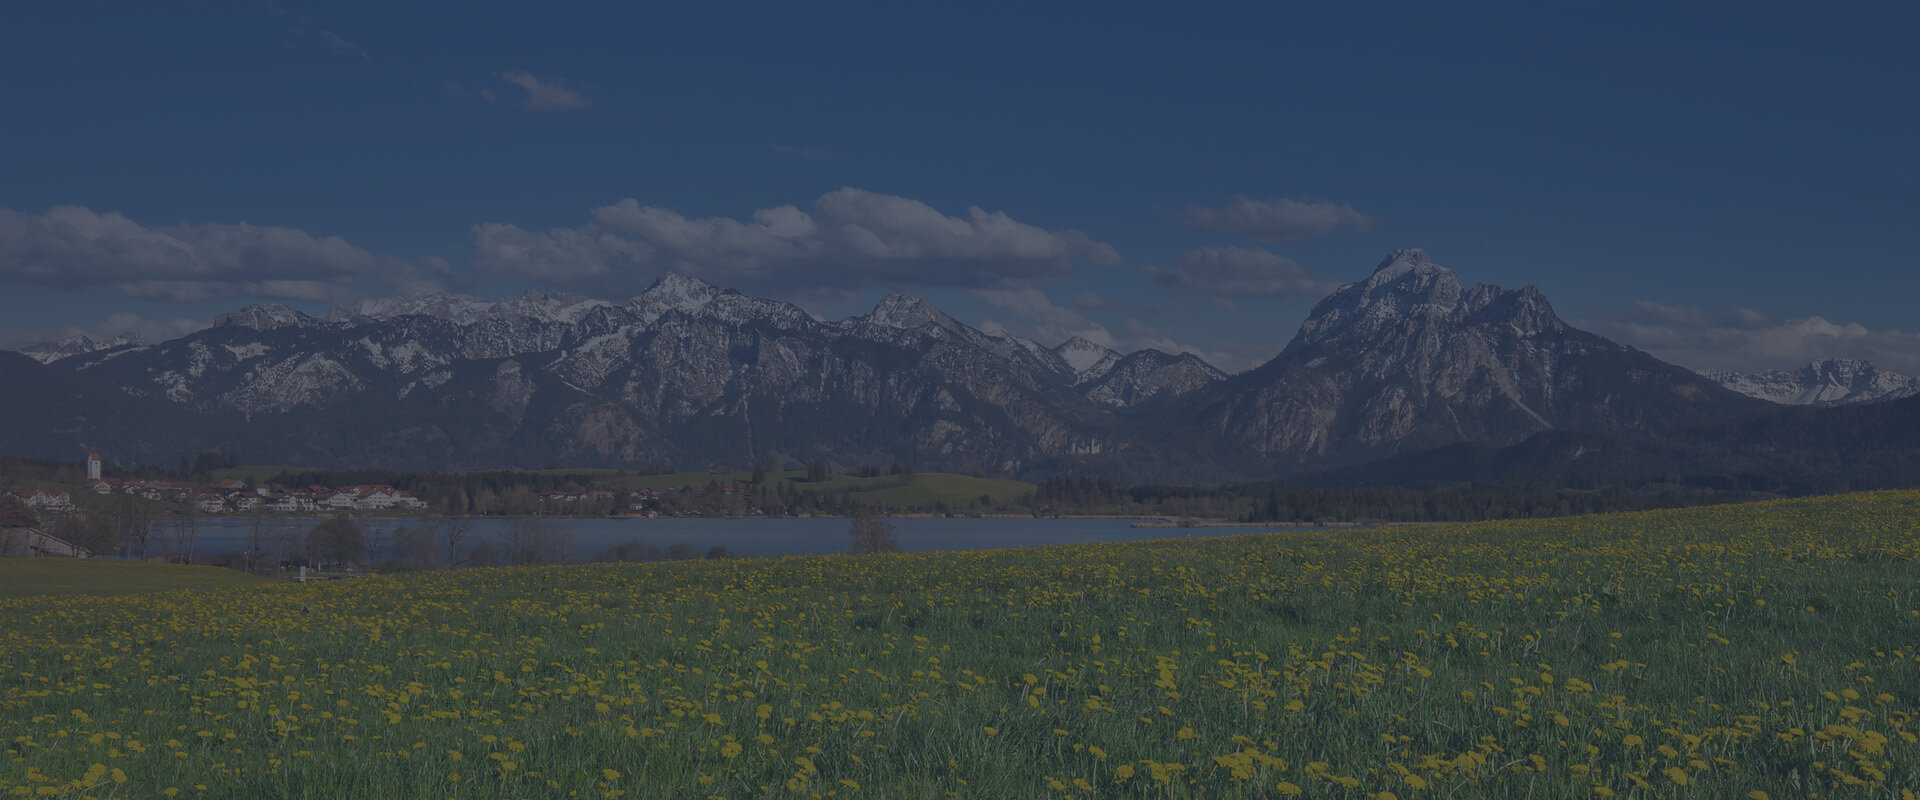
(1833, 382)
(690, 375)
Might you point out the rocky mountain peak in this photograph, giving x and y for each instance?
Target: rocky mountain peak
(905, 312)
(77, 344)
(1406, 285)
(1087, 359)
(673, 291)
(459, 309)
(544, 307)
(265, 317)
(1525, 309)
(1407, 292)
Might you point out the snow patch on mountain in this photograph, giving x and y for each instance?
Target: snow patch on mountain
(266, 317)
(459, 309)
(49, 352)
(1833, 382)
(1087, 359)
(243, 352)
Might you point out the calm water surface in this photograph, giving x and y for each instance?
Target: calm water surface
(764, 536)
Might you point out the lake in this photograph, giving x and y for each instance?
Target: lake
(762, 536)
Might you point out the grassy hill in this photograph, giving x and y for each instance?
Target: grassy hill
(40, 577)
(1766, 650)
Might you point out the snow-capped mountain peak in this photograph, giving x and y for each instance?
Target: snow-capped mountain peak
(266, 316)
(673, 291)
(460, 309)
(1401, 262)
(77, 344)
(1406, 285)
(1087, 359)
(903, 311)
(566, 309)
(1833, 382)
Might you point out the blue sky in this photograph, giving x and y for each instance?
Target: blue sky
(1725, 185)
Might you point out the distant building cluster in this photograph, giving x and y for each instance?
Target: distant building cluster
(237, 496)
(43, 499)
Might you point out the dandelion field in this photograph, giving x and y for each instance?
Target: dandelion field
(1762, 650)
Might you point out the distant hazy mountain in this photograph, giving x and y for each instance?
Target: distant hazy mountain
(1833, 382)
(691, 375)
(49, 352)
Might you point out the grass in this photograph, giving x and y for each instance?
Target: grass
(1762, 650)
(41, 577)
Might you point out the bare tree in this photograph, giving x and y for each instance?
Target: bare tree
(284, 533)
(871, 534)
(413, 546)
(424, 541)
(255, 548)
(70, 528)
(379, 539)
(184, 532)
(134, 518)
(539, 540)
(455, 532)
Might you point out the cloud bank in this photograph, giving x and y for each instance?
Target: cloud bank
(71, 247)
(847, 239)
(1237, 272)
(549, 94)
(1749, 341)
(1277, 221)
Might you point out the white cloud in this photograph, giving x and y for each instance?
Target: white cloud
(550, 94)
(1037, 318)
(342, 46)
(1230, 272)
(1277, 221)
(1749, 341)
(848, 239)
(71, 247)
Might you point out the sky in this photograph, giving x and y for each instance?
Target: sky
(1724, 185)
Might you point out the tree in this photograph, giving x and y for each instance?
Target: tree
(135, 520)
(185, 530)
(413, 547)
(255, 549)
(379, 540)
(539, 540)
(483, 555)
(455, 532)
(871, 534)
(336, 541)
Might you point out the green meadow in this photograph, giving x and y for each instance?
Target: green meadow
(1766, 650)
(56, 577)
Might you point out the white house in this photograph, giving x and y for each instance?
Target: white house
(42, 498)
